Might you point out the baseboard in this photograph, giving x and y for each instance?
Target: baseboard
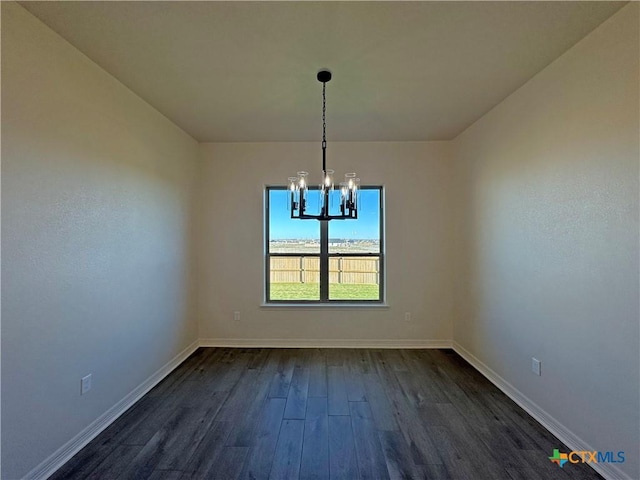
(564, 434)
(321, 343)
(73, 446)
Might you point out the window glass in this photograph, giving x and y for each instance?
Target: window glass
(294, 278)
(361, 235)
(354, 278)
(287, 235)
(297, 271)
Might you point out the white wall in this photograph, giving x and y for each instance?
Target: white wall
(549, 214)
(419, 209)
(96, 190)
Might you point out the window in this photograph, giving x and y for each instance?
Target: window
(309, 261)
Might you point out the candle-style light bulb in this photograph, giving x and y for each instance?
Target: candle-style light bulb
(350, 178)
(328, 179)
(302, 180)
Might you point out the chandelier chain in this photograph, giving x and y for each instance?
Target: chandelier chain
(324, 114)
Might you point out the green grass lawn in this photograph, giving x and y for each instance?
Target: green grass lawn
(311, 291)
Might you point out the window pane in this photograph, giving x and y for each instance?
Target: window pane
(361, 235)
(287, 235)
(293, 250)
(354, 278)
(295, 277)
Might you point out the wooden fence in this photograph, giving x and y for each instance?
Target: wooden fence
(302, 269)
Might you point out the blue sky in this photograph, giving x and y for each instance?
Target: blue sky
(281, 226)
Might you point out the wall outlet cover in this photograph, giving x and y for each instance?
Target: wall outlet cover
(85, 384)
(535, 366)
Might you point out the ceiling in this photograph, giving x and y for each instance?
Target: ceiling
(245, 71)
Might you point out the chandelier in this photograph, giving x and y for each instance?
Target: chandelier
(348, 190)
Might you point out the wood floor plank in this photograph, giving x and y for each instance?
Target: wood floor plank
(259, 358)
(371, 460)
(513, 431)
(286, 460)
(317, 374)
(337, 396)
(381, 407)
(430, 414)
(236, 369)
(144, 463)
(434, 472)
(180, 371)
(497, 439)
(354, 378)
(249, 408)
(208, 451)
(362, 360)
(422, 445)
(298, 392)
(412, 361)
(395, 360)
(228, 464)
(314, 464)
(209, 370)
(460, 467)
(166, 475)
(115, 464)
(432, 379)
(301, 357)
(259, 459)
(467, 442)
(239, 399)
(282, 377)
(155, 421)
(343, 464)
(398, 457)
(415, 388)
(196, 394)
(85, 461)
(417, 437)
(187, 435)
(468, 402)
(525, 473)
(335, 356)
(530, 432)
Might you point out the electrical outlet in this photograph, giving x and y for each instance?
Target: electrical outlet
(407, 316)
(535, 365)
(85, 384)
(236, 316)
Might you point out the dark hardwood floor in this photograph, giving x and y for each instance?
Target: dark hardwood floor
(323, 413)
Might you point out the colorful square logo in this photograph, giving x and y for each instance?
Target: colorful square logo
(559, 458)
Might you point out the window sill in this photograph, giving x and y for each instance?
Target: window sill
(346, 305)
